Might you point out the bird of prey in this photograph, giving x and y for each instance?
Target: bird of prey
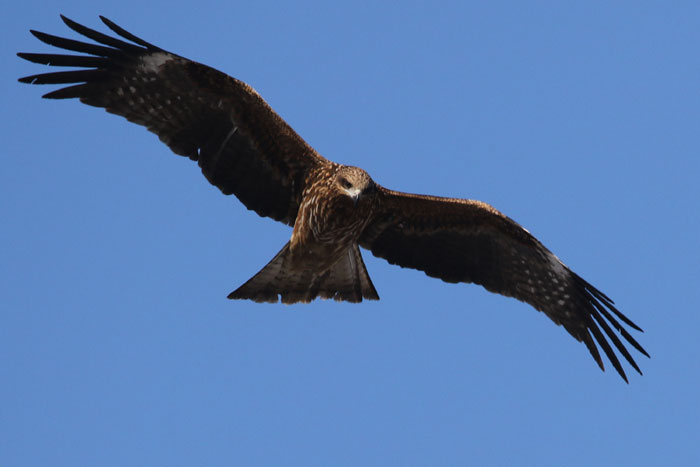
(244, 148)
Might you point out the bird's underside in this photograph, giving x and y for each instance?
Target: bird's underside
(244, 148)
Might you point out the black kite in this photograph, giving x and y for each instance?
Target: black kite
(244, 148)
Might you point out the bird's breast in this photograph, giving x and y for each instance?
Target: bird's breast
(326, 226)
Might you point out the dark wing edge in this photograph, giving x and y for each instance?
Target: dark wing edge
(242, 146)
(469, 241)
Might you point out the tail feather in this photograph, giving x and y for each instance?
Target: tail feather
(346, 280)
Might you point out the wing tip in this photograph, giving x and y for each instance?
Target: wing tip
(66, 19)
(37, 34)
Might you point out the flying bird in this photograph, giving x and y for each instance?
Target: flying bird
(244, 148)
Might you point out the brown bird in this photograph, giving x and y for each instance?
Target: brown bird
(244, 148)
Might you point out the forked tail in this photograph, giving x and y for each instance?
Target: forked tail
(346, 280)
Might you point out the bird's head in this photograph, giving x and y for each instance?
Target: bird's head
(354, 183)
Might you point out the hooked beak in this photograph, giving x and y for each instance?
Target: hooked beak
(359, 194)
(354, 195)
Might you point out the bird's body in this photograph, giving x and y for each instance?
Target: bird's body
(244, 148)
(323, 231)
(322, 257)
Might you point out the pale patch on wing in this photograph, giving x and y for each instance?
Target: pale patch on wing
(557, 266)
(559, 278)
(153, 62)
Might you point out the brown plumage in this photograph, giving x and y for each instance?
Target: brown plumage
(244, 148)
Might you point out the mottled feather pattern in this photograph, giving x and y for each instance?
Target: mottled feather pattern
(196, 110)
(467, 241)
(244, 148)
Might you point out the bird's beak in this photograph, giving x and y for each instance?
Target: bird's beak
(359, 194)
(354, 194)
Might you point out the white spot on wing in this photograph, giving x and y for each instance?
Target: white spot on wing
(557, 267)
(153, 62)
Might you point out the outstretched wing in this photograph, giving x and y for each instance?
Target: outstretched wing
(242, 146)
(469, 241)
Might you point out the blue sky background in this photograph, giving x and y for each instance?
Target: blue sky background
(578, 119)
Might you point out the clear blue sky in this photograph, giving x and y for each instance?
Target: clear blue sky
(581, 120)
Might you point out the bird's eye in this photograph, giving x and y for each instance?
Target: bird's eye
(345, 183)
